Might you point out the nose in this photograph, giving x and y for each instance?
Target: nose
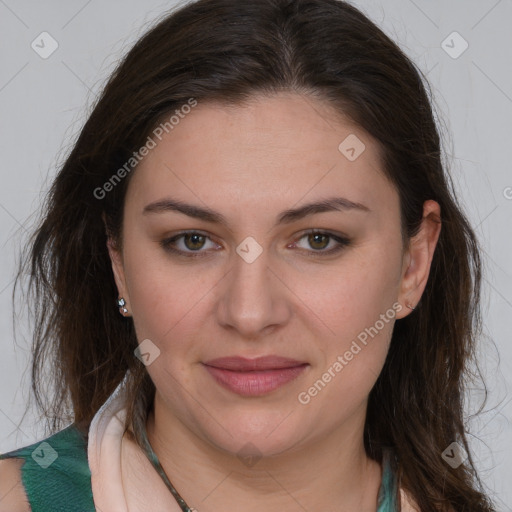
(254, 301)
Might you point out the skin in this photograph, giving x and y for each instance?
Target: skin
(250, 163)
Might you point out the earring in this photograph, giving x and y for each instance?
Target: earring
(409, 306)
(121, 304)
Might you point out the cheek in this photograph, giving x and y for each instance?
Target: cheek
(351, 296)
(166, 300)
(355, 303)
(353, 356)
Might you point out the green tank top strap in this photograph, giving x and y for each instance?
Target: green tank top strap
(56, 474)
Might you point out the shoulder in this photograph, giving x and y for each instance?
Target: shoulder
(12, 493)
(53, 470)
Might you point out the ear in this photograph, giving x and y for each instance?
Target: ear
(418, 258)
(116, 260)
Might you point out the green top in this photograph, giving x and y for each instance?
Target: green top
(56, 474)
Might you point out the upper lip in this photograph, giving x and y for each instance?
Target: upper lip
(242, 364)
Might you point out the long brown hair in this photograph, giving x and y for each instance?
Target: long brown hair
(227, 51)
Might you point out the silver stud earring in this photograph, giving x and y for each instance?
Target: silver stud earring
(409, 306)
(121, 303)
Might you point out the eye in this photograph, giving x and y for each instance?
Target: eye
(188, 244)
(319, 241)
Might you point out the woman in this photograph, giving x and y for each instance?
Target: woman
(259, 192)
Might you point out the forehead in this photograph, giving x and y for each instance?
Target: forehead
(273, 150)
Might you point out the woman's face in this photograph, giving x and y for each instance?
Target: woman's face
(250, 281)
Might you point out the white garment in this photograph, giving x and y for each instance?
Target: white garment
(104, 452)
(122, 485)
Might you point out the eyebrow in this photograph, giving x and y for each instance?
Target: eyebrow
(285, 217)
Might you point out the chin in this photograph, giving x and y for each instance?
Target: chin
(258, 435)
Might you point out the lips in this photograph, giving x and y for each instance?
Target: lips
(241, 364)
(254, 377)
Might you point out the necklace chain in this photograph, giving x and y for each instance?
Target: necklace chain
(151, 455)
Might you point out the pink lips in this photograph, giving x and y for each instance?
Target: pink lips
(254, 377)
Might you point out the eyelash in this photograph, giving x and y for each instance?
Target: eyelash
(342, 243)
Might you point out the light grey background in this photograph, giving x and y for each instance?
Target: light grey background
(44, 102)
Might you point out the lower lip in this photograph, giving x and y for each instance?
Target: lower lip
(255, 383)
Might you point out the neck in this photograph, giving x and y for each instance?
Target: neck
(330, 473)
